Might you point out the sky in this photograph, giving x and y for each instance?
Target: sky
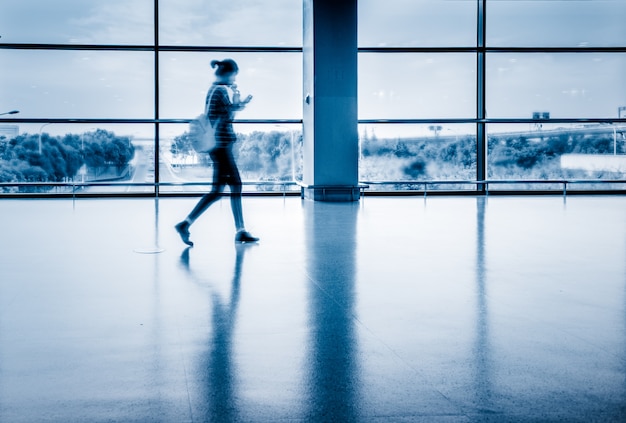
(109, 84)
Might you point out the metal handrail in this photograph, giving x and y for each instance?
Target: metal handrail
(77, 186)
(299, 183)
(363, 185)
(488, 182)
(136, 184)
(492, 181)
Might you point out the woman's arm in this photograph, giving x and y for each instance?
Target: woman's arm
(237, 104)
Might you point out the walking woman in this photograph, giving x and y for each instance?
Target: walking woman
(221, 112)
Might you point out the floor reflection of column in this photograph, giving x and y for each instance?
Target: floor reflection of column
(332, 352)
(622, 408)
(482, 349)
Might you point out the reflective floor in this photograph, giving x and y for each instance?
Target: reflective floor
(449, 309)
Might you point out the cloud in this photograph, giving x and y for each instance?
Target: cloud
(231, 22)
(77, 21)
(78, 84)
(33, 21)
(116, 22)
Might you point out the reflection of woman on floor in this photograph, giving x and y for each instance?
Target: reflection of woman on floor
(221, 112)
(217, 372)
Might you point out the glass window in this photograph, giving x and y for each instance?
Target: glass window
(583, 85)
(111, 157)
(77, 22)
(544, 151)
(417, 23)
(420, 153)
(230, 23)
(269, 157)
(273, 79)
(416, 86)
(549, 23)
(78, 84)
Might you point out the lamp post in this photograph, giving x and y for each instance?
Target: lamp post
(293, 153)
(435, 129)
(12, 112)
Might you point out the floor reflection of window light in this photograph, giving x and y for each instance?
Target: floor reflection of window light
(154, 249)
(149, 250)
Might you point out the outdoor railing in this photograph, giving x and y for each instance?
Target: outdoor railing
(486, 183)
(482, 187)
(74, 189)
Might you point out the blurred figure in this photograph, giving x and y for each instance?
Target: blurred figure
(221, 111)
(216, 370)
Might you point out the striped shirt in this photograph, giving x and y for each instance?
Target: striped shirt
(222, 111)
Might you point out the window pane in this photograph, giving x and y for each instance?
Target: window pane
(417, 23)
(77, 84)
(584, 85)
(549, 23)
(556, 151)
(230, 22)
(405, 86)
(77, 22)
(273, 79)
(396, 153)
(66, 154)
(269, 158)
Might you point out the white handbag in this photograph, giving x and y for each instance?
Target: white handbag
(201, 132)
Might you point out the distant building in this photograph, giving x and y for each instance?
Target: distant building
(9, 131)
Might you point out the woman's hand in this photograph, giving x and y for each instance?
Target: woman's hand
(239, 105)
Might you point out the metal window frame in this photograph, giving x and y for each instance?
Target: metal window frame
(480, 50)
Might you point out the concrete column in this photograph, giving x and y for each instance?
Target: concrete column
(330, 129)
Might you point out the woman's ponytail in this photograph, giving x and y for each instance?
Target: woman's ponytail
(224, 67)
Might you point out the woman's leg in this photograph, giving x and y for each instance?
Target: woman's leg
(234, 181)
(204, 203)
(220, 178)
(183, 227)
(235, 204)
(219, 181)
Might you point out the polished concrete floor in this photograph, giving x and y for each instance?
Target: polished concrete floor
(446, 309)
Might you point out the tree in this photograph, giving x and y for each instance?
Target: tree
(94, 155)
(182, 145)
(118, 152)
(416, 169)
(61, 157)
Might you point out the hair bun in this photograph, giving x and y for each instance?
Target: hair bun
(225, 66)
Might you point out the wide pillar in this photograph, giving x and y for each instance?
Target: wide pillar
(330, 120)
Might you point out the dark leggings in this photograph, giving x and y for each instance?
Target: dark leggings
(225, 172)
